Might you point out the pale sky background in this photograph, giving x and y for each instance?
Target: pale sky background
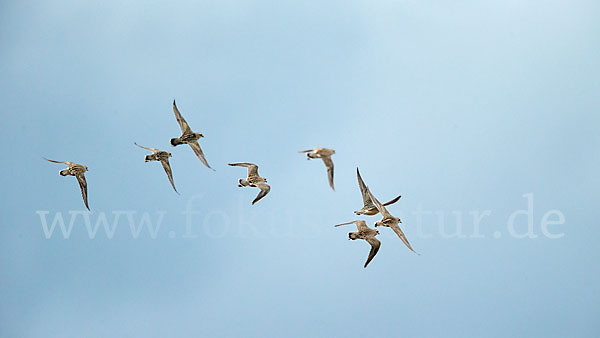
(472, 103)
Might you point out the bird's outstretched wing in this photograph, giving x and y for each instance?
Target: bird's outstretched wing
(378, 205)
(252, 168)
(375, 244)
(352, 222)
(306, 151)
(400, 234)
(53, 161)
(329, 164)
(182, 124)
(198, 151)
(149, 149)
(393, 201)
(360, 225)
(363, 190)
(264, 190)
(83, 187)
(167, 167)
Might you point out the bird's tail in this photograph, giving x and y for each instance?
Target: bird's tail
(175, 141)
(64, 172)
(352, 235)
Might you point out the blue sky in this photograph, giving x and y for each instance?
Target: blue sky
(460, 107)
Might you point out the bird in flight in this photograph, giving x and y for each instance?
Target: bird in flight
(366, 233)
(325, 155)
(253, 180)
(368, 207)
(188, 136)
(389, 221)
(163, 158)
(78, 171)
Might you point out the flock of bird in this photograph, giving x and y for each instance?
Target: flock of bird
(371, 206)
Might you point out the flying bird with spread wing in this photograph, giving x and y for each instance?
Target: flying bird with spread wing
(368, 207)
(253, 180)
(325, 155)
(366, 233)
(78, 171)
(163, 158)
(389, 221)
(188, 136)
